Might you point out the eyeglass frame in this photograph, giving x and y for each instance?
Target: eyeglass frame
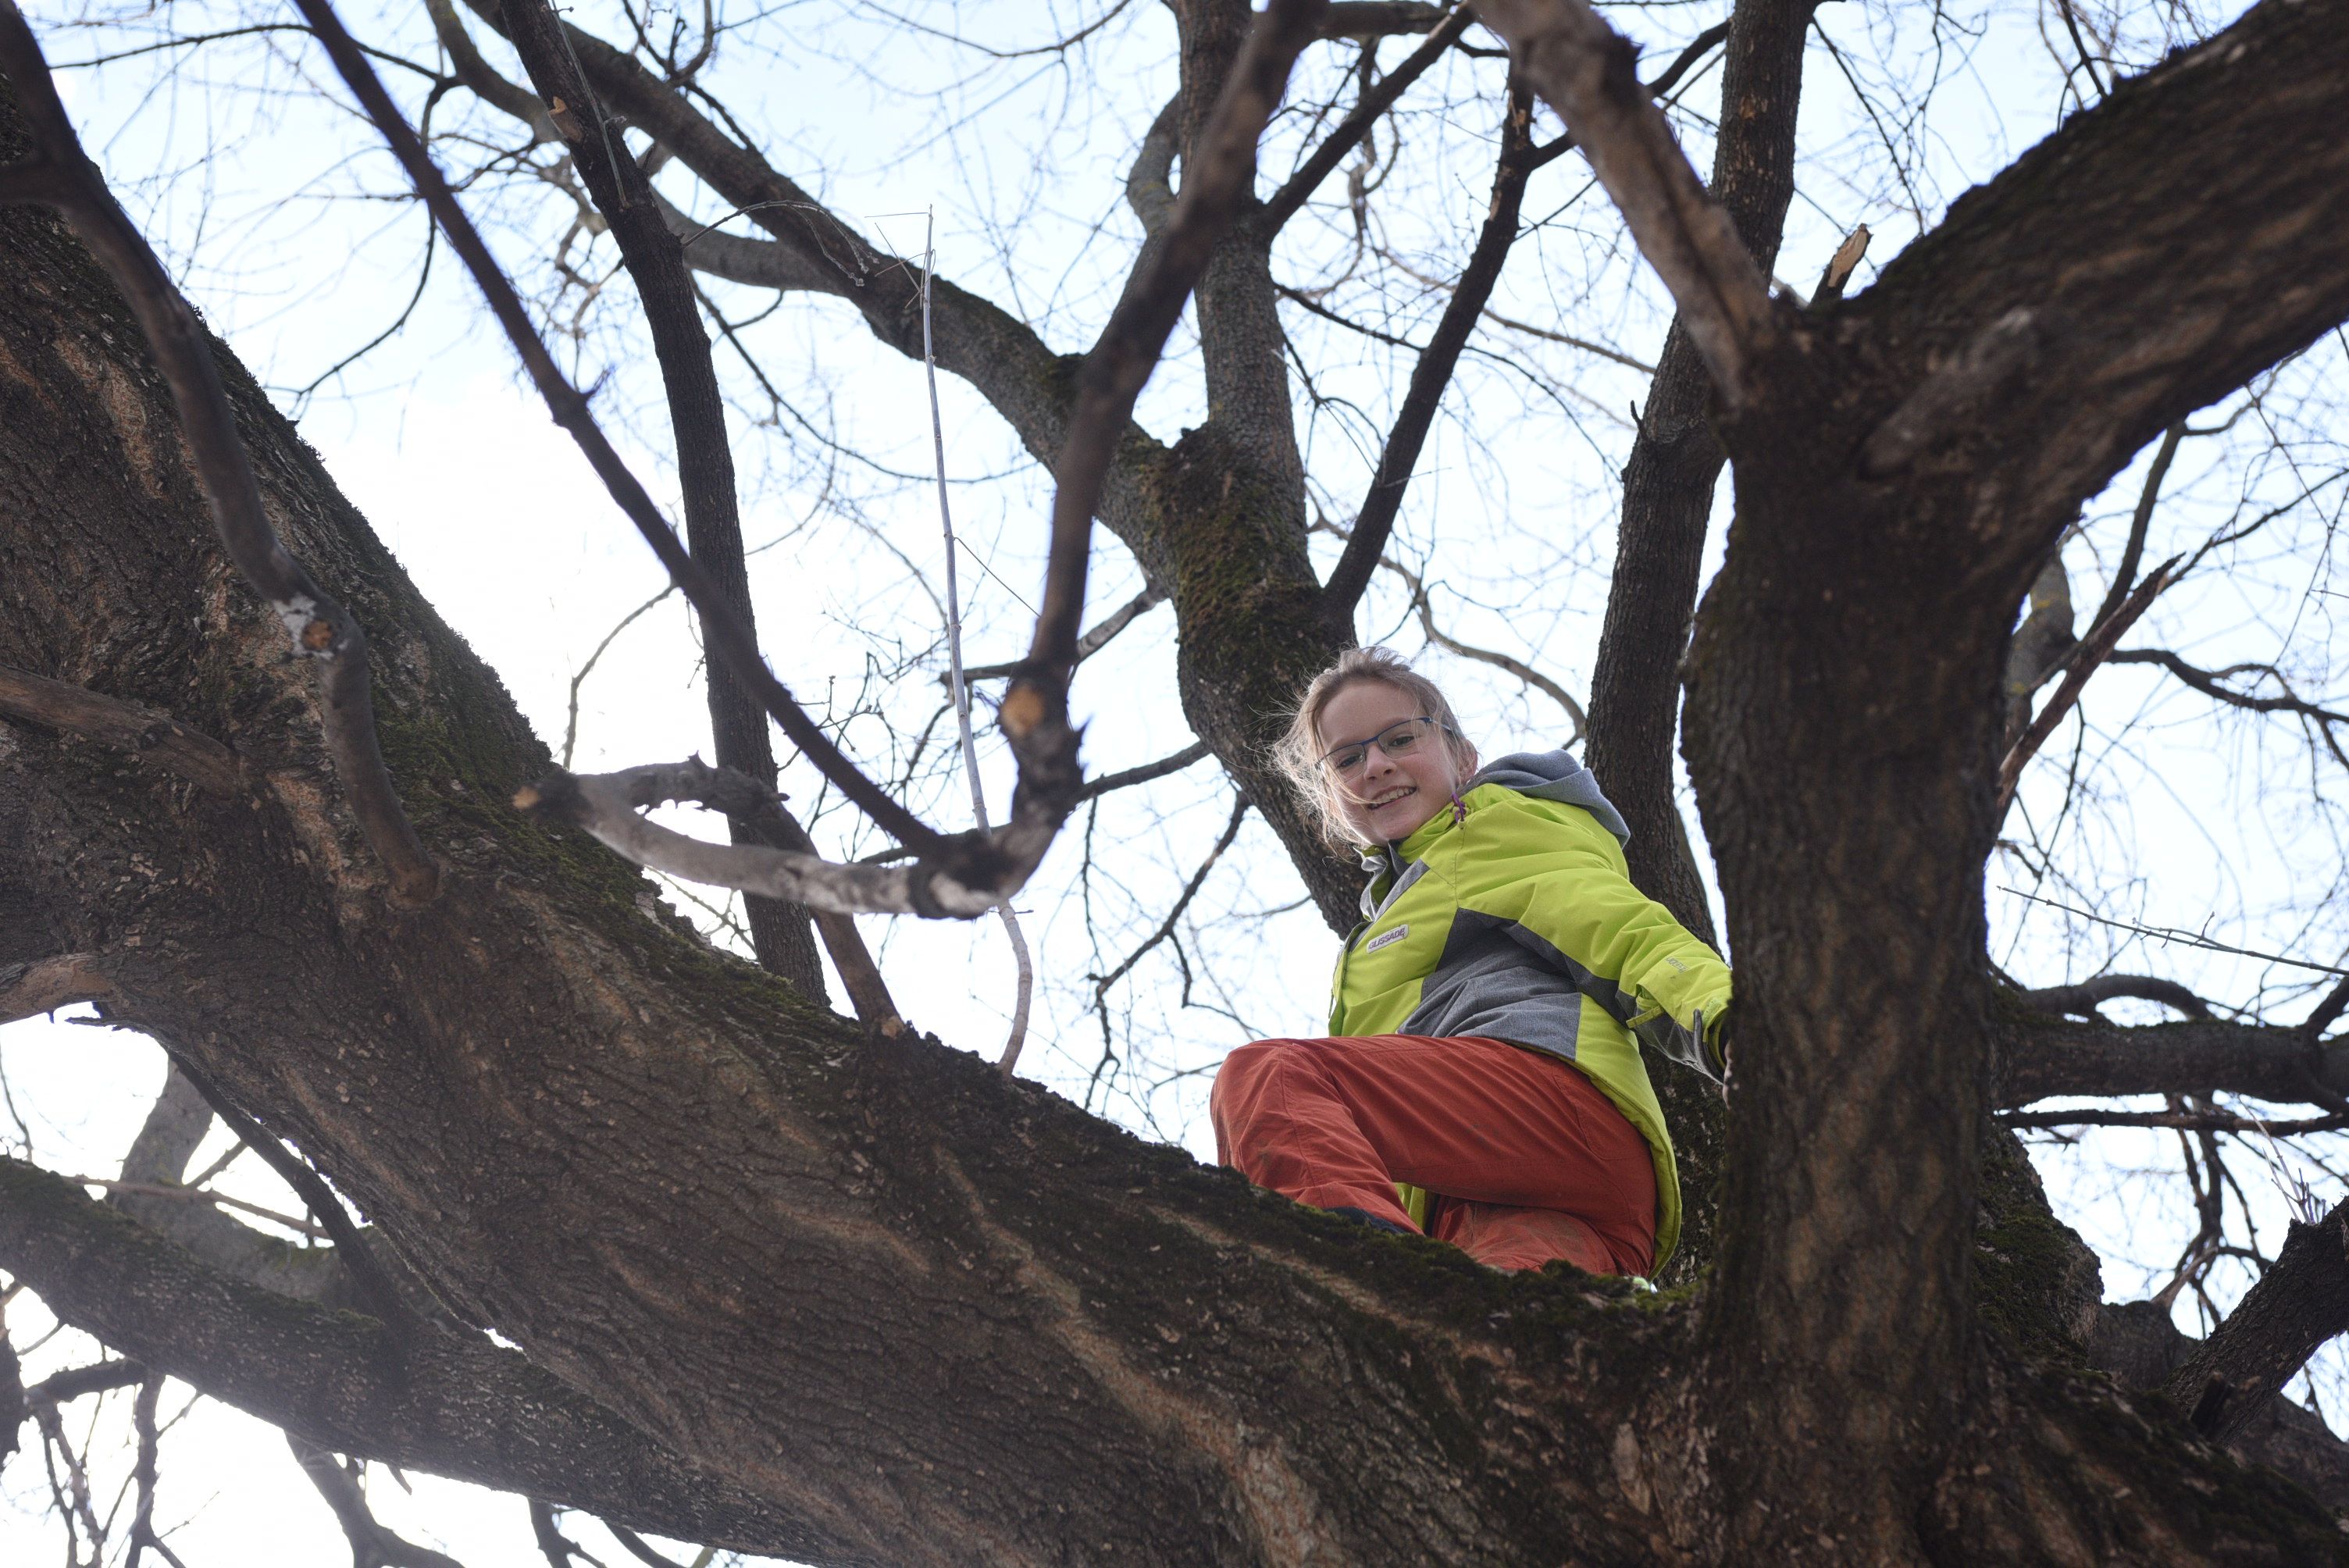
(1325, 759)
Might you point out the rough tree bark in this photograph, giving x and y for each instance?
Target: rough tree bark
(1924, 445)
(788, 1285)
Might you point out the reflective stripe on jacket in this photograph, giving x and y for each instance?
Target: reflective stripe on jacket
(1519, 921)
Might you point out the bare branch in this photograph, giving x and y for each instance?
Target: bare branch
(452, 1404)
(2301, 1301)
(317, 626)
(1839, 268)
(1101, 982)
(1145, 772)
(372, 1545)
(2207, 682)
(45, 984)
(1148, 189)
(1423, 604)
(557, 1548)
(2081, 1000)
(1575, 712)
(2140, 523)
(634, 1545)
(74, 1383)
(1368, 19)
(1604, 351)
(1325, 158)
(622, 192)
(142, 1524)
(1587, 72)
(481, 79)
(1091, 643)
(199, 1195)
(1128, 350)
(2041, 646)
(960, 877)
(2186, 1121)
(1432, 372)
(579, 678)
(2040, 1057)
(1024, 965)
(77, 710)
(2093, 650)
(967, 876)
(729, 639)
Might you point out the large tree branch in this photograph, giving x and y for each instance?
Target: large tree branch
(443, 1402)
(2160, 272)
(59, 173)
(2301, 1301)
(2040, 1057)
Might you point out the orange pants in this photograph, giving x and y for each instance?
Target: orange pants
(1525, 1160)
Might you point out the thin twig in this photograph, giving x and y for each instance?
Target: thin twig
(198, 1195)
(1101, 982)
(2182, 938)
(1144, 773)
(571, 724)
(2092, 651)
(1021, 959)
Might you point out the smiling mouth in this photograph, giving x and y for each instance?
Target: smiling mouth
(1391, 795)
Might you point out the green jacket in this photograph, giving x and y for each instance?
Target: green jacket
(1519, 921)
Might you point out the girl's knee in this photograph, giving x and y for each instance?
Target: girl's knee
(1243, 1071)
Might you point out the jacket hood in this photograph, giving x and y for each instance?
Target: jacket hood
(1554, 776)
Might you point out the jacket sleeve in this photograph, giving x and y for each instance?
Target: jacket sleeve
(1558, 879)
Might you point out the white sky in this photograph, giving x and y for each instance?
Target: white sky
(508, 535)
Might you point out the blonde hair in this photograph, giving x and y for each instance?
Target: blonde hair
(1299, 750)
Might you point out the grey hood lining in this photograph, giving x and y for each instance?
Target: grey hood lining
(1554, 776)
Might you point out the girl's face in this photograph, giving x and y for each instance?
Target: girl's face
(1385, 795)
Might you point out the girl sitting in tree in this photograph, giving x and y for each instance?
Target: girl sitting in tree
(1481, 1084)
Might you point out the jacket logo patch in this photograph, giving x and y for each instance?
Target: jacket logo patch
(1386, 939)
